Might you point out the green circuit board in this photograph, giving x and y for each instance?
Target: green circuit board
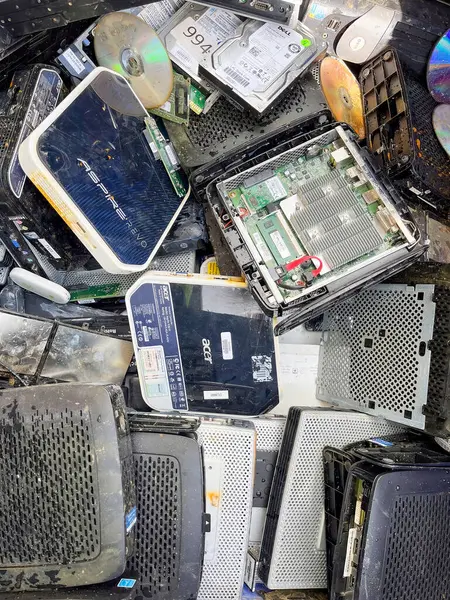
(319, 205)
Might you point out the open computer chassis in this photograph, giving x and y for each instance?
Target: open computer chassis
(205, 179)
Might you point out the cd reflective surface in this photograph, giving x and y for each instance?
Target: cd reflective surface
(127, 45)
(441, 125)
(438, 75)
(343, 93)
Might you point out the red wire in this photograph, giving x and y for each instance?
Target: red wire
(299, 261)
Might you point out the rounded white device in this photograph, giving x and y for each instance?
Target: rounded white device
(40, 286)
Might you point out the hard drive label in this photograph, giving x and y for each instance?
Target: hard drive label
(73, 60)
(158, 352)
(203, 36)
(271, 49)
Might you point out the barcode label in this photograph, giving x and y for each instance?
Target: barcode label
(262, 369)
(237, 77)
(216, 395)
(227, 346)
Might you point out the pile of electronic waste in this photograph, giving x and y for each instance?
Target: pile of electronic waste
(181, 184)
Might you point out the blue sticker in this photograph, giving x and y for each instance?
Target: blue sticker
(130, 519)
(127, 583)
(380, 442)
(319, 12)
(158, 355)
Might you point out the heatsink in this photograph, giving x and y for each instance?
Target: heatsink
(331, 222)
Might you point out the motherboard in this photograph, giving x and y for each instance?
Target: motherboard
(313, 215)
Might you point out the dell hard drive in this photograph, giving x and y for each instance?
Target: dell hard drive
(260, 62)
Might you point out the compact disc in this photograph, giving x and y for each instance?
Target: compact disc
(441, 125)
(438, 74)
(128, 46)
(343, 94)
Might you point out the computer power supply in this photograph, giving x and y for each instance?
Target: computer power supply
(229, 448)
(293, 551)
(68, 500)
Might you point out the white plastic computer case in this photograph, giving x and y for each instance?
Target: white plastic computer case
(229, 448)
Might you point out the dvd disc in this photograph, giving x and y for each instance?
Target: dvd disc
(343, 94)
(441, 125)
(438, 75)
(128, 46)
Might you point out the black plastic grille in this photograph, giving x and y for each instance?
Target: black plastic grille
(438, 392)
(6, 129)
(418, 549)
(431, 161)
(224, 120)
(156, 558)
(49, 509)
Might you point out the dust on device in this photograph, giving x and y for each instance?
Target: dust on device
(170, 528)
(66, 455)
(91, 160)
(27, 219)
(312, 223)
(202, 345)
(251, 62)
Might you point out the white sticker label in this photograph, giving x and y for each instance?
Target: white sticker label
(184, 59)
(202, 37)
(153, 367)
(227, 345)
(262, 369)
(262, 247)
(280, 244)
(216, 395)
(358, 512)
(276, 188)
(49, 248)
(350, 547)
(157, 13)
(172, 156)
(74, 61)
(167, 106)
(213, 493)
(154, 149)
(415, 191)
(271, 50)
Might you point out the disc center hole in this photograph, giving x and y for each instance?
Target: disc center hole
(345, 98)
(132, 62)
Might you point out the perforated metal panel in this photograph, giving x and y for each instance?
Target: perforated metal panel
(229, 449)
(298, 556)
(269, 432)
(438, 389)
(374, 354)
